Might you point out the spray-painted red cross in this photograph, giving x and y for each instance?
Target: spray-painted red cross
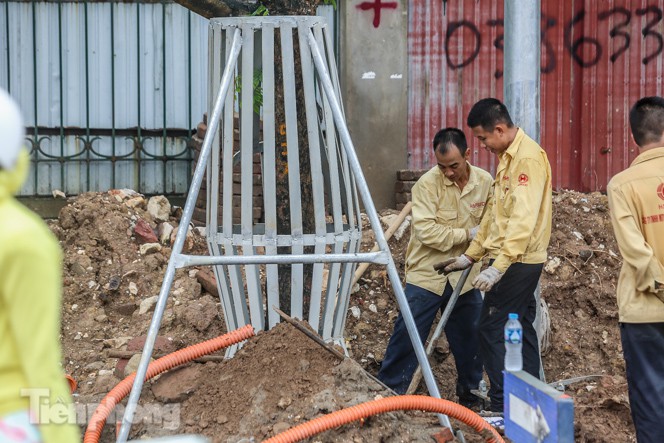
(376, 5)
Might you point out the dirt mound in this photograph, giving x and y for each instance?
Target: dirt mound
(281, 378)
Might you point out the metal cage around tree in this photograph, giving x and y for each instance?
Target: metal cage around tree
(298, 82)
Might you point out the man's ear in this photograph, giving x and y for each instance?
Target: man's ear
(500, 129)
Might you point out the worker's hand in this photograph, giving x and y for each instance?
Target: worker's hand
(487, 279)
(453, 264)
(472, 232)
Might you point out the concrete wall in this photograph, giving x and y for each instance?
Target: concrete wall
(374, 75)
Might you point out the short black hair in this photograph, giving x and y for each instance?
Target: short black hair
(487, 113)
(448, 137)
(646, 119)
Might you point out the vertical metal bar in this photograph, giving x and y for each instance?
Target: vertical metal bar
(179, 242)
(137, 155)
(36, 92)
(113, 151)
(215, 38)
(363, 189)
(228, 143)
(214, 73)
(332, 61)
(9, 76)
(228, 147)
(61, 96)
(290, 109)
(345, 288)
(87, 97)
(163, 90)
(247, 177)
(313, 137)
(337, 212)
(269, 173)
(190, 120)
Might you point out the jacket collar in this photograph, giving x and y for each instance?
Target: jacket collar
(513, 148)
(648, 155)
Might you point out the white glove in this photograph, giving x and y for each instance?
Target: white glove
(487, 279)
(453, 264)
(472, 232)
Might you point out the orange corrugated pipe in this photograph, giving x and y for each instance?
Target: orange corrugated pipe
(388, 404)
(122, 389)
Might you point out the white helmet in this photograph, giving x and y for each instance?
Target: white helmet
(12, 131)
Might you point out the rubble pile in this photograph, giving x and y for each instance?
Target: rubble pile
(116, 246)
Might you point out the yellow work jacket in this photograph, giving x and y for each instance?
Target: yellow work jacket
(518, 228)
(30, 298)
(442, 216)
(636, 202)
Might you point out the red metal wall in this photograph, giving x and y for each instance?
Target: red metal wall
(598, 58)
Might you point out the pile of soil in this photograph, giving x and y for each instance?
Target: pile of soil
(281, 378)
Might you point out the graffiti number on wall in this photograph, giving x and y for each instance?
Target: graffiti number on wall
(576, 47)
(377, 6)
(617, 29)
(647, 31)
(498, 42)
(549, 53)
(453, 27)
(586, 51)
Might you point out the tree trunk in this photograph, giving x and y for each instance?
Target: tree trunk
(224, 8)
(293, 7)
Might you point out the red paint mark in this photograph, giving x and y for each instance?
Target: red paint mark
(376, 5)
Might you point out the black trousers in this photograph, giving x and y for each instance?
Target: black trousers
(515, 292)
(643, 347)
(400, 361)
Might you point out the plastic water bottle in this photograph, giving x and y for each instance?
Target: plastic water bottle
(513, 343)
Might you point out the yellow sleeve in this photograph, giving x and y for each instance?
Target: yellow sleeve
(476, 251)
(33, 282)
(526, 210)
(636, 252)
(425, 226)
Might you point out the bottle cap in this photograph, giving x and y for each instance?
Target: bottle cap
(513, 316)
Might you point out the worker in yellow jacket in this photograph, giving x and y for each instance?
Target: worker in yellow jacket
(35, 403)
(448, 204)
(514, 237)
(636, 202)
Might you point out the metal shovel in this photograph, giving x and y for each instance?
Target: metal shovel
(417, 377)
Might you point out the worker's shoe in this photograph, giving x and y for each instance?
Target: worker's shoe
(467, 398)
(471, 402)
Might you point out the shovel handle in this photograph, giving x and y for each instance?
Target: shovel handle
(417, 377)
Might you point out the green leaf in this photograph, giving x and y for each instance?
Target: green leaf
(261, 10)
(257, 84)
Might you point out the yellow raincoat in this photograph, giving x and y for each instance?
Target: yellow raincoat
(31, 377)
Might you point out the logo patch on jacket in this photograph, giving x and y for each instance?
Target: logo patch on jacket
(523, 179)
(660, 191)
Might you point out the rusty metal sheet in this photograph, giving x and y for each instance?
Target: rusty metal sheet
(598, 58)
